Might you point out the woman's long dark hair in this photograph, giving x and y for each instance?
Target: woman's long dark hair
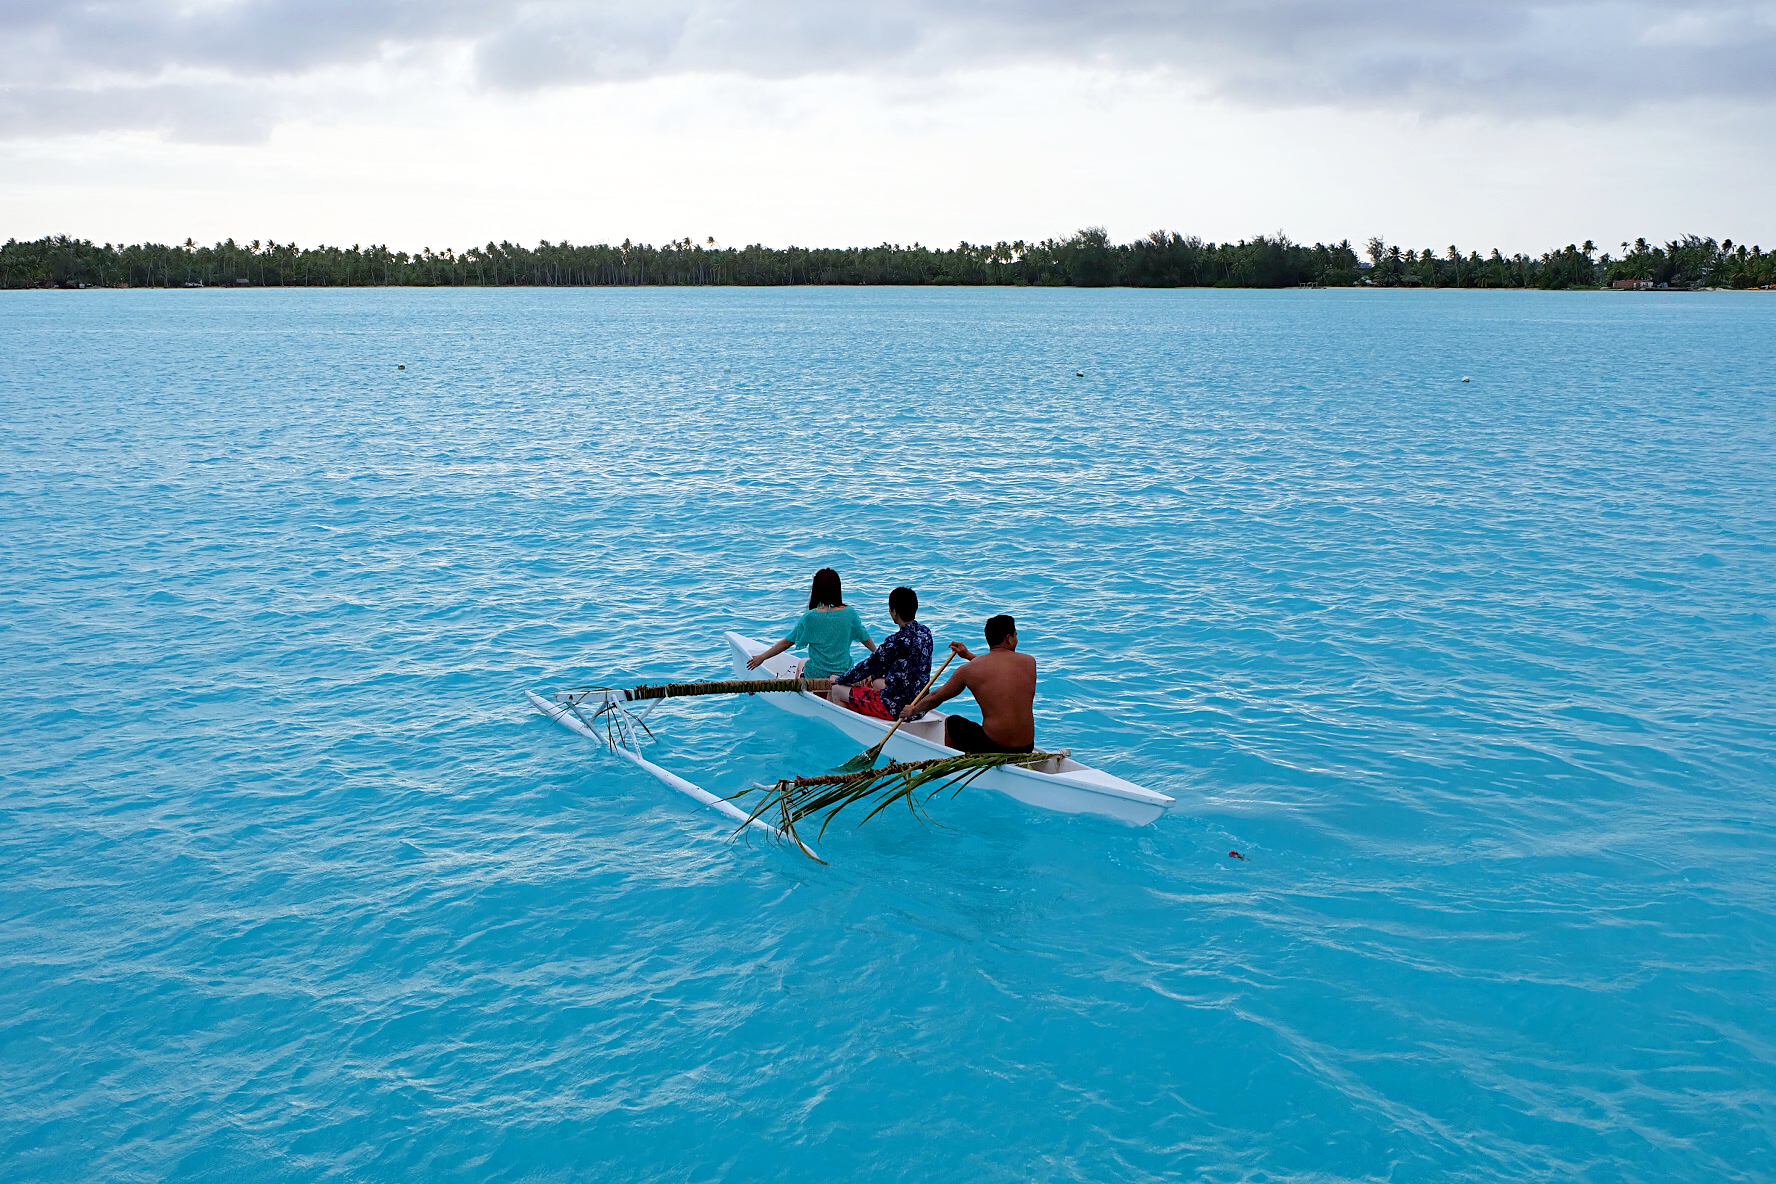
(826, 589)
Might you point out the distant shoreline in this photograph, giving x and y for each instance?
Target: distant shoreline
(1086, 259)
(196, 287)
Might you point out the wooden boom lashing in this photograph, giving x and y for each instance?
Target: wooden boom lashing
(759, 686)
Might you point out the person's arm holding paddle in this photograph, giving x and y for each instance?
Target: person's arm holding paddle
(957, 684)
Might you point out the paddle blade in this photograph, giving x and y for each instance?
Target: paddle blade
(860, 762)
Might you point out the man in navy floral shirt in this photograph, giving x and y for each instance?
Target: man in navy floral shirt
(893, 676)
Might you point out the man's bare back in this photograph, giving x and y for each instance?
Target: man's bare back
(1003, 682)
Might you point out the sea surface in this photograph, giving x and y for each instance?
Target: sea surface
(1451, 612)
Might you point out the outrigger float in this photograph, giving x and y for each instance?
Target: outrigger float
(1058, 783)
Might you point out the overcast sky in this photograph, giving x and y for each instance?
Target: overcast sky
(829, 122)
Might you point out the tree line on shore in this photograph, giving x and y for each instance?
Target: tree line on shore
(1087, 258)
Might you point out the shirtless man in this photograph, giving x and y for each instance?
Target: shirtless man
(1004, 684)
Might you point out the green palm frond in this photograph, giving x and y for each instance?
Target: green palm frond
(793, 800)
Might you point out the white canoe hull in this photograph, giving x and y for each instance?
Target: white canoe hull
(1070, 788)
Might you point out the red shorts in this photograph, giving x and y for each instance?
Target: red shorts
(867, 700)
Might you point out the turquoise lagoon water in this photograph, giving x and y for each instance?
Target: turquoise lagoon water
(1477, 676)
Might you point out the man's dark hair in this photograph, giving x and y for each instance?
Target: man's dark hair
(999, 628)
(826, 590)
(904, 603)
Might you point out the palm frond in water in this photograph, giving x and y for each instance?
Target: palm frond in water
(793, 800)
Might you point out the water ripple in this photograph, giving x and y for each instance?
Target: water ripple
(1475, 675)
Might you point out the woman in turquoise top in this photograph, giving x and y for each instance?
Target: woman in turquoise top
(828, 628)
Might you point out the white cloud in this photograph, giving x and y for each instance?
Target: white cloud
(448, 122)
(1714, 29)
(1022, 151)
(126, 64)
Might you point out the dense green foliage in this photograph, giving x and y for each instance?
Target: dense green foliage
(1085, 259)
(1689, 262)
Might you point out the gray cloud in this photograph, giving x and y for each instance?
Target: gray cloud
(107, 64)
(224, 112)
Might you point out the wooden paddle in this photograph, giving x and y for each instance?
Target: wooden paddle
(867, 760)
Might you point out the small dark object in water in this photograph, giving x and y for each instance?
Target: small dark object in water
(1236, 855)
(1079, 374)
(401, 367)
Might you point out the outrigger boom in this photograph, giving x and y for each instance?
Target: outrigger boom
(680, 690)
(621, 739)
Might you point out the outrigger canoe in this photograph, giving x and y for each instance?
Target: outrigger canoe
(1060, 783)
(1064, 785)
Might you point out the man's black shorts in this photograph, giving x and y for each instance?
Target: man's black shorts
(963, 733)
